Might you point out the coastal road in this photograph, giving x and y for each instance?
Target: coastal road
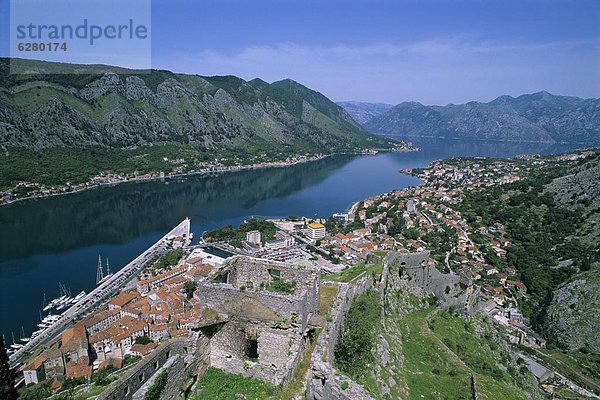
(110, 286)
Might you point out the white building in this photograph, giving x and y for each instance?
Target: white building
(253, 237)
(280, 243)
(342, 217)
(316, 231)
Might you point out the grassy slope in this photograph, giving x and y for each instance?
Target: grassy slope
(423, 366)
(584, 369)
(479, 354)
(427, 365)
(432, 372)
(217, 385)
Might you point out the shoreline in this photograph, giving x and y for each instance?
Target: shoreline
(235, 168)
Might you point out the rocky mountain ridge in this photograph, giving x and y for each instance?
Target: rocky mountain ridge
(537, 117)
(571, 317)
(115, 107)
(364, 112)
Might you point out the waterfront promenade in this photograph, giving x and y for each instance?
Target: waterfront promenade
(101, 293)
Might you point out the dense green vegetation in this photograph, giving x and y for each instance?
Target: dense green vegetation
(131, 360)
(353, 351)
(7, 375)
(217, 385)
(57, 166)
(539, 229)
(40, 391)
(102, 377)
(143, 340)
(157, 387)
(281, 286)
(334, 226)
(189, 287)
(440, 242)
(235, 236)
(166, 260)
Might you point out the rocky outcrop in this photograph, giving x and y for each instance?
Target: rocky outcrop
(572, 319)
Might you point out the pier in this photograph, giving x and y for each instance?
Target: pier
(108, 287)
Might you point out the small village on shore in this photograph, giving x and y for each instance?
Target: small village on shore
(178, 167)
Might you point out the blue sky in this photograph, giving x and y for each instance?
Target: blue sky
(435, 52)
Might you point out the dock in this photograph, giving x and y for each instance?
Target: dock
(102, 292)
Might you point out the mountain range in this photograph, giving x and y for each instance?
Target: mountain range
(363, 112)
(51, 105)
(537, 117)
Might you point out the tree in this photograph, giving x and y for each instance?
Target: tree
(143, 340)
(7, 375)
(189, 287)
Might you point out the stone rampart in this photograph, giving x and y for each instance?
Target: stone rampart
(253, 272)
(452, 290)
(176, 352)
(258, 305)
(325, 382)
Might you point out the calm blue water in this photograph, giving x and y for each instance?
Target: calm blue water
(44, 242)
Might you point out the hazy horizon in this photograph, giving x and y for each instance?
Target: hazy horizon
(433, 52)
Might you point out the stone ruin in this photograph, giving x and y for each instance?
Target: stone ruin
(262, 332)
(266, 330)
(254, 329)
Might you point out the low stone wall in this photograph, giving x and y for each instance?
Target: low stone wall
(177, 352)
(324, 381)
(175, 370)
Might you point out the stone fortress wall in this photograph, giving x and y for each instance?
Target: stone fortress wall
(267, 331)
(177, 355)
(263, 335)
(246, 275)
(324, 380)
(275, 327)
(452, 290)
